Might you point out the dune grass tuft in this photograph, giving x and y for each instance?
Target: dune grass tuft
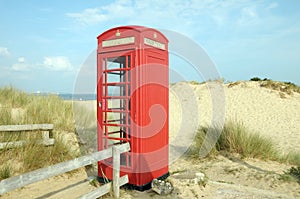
(291, 158)
(36, 156)
(33, 156)
(31, 109)
(5, 171)
(14, 98)
(17, 107)
(236, 138)
(284, 87)
(295, 172)
(194, 82)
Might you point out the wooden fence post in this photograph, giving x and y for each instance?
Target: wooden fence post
(116, 171)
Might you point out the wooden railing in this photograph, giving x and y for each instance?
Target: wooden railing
(46, 129)
(57, 169)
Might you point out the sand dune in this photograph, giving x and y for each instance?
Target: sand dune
(262, 110)
(268, 112)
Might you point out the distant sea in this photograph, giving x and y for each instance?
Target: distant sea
(81, 97)
(70, 96)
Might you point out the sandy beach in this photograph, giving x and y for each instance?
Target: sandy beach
(262, 110)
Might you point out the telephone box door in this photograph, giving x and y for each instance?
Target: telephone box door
(114, 110)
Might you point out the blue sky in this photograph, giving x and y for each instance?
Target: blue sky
(43, 44)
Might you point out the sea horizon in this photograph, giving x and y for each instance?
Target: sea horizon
(70, 96)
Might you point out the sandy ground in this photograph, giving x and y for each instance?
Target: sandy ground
(261, 110)
(229, 177)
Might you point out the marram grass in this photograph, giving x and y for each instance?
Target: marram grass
(17, 107)
(236, 138)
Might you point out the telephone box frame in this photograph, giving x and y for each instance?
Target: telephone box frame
(132, 69)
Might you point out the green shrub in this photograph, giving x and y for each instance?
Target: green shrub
(255, 79)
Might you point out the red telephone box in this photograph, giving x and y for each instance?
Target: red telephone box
(133, 100)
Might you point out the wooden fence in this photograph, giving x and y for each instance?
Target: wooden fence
(60, 168)
(46, 129)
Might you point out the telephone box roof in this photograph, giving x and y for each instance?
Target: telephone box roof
(135, 28)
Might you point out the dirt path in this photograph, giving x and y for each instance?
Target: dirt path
(65, 186)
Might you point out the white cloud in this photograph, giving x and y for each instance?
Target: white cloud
(272, 5)
(88, 16)
(4, 52)
(191, 17)
(58, 63)
(185, 16)
(248, 16)
(119, 9)
(203, 19)
(21, 59)
(21, 65)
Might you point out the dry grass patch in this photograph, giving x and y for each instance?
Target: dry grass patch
(236, 138)
(31, 109)
(282, 87)
(18, 107)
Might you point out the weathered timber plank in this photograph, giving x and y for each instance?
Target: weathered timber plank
(104, 189)
(60, 168)
(9, 145)
(20, 143)
(26, 127)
